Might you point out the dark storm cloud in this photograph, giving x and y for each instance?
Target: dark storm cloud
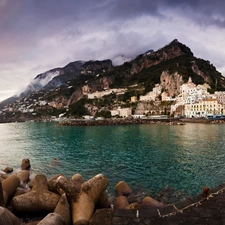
(38, 35)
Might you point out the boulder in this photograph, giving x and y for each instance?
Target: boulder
(122, 188)
(121, 202)
(25, 165)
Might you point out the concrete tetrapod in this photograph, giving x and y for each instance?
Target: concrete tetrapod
(83, 206)
(70, 187)
(9, 186)
(52, 219)
(4, 219)
(15, 220)
(52, 184)
(63, 209)
(39, 199)
(23, 176)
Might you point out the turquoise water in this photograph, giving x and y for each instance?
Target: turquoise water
(148, 157)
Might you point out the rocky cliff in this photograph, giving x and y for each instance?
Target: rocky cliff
(171, 83)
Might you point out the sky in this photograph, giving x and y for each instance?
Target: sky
(39, 35)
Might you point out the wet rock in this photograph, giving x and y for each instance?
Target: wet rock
(122, 188)
(25, 165)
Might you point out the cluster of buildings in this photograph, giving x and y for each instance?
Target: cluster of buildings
(195, 100)
(30, 106)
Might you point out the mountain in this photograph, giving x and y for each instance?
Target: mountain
(169, 66)
(60, 76)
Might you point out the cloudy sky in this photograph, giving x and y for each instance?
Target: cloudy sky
(39, 35)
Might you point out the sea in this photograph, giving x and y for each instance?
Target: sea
(153, 159)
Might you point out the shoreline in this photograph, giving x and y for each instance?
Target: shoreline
(120, 121)
(125, 205)
(111, 122)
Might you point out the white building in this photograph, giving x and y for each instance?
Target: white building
(220, 96)
(123, 112)
(151, 96)
(100, 94)
(191, 93)
(204, 108)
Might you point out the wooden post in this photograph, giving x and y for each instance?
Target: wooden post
(1, 196)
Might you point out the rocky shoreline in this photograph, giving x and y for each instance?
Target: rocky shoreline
(61, 200)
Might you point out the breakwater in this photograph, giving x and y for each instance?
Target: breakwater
(62, 200)
(130, 121)
(66, 201)
(110, 122)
